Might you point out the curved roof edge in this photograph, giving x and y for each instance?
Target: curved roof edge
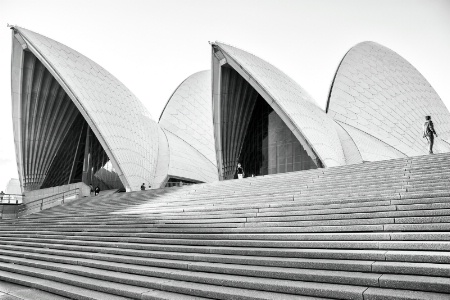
(309, 123)
(351, 151)
(173, 93)
(332, 82)
(369, 147)
(188, 114)
(379, 92)
(187, 162)
(73, 72)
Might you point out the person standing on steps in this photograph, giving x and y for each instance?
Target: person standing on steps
(97, 190)
(143, 187)
(429, 132)
(92, 189)
(240, 171)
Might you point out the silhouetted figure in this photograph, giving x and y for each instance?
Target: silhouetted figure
(92, 189)
(429, 132)
(143, 187)
(1, 195)
(240, 171)
(97, 190)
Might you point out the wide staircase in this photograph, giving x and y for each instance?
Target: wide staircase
(373, 231)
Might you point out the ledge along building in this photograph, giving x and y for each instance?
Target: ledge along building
(74, 122)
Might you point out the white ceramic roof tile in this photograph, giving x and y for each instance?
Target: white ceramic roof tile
(351, 152)
(370, 148)
(163, 160)
(122, 124)
(392, 101)
(311, 121)
(187, 162)
(188, 114)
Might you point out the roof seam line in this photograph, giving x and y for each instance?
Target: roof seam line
(165, 129)
(390, 146)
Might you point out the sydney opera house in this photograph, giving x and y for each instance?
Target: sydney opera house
(75, 122)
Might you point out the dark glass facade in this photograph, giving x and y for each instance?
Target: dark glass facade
(270, 147)
(60, 148)
(178, 182)
(81, 158)
(253, 134)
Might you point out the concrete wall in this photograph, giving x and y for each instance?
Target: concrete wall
(39, 194)
(8, 211)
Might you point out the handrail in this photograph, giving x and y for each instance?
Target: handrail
(8, 197)
(48, 200)
(177, 184)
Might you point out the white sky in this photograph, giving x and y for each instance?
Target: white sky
(152, 46)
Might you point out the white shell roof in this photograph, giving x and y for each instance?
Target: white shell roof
(188, 114)
(298, 106)
(119, 120)
(188, 163)
(381, 94)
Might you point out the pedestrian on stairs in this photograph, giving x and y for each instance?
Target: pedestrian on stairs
(143, 187)
(428, 131)
(97, 190)
(240, 171)
(92, 190)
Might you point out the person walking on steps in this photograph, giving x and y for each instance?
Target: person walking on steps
(92, 190)
(143, 187)
(240, 171)
(97, 190)
(429, 132)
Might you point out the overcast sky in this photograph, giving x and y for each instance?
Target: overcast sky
(152, 46)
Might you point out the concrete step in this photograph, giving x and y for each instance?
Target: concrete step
(377, 230)
(192, 269)
(57, 288)
(394, 294)
(273, 268)
(133, 286)
(190, 244)
(12, 291)
(354, 236)
(329, 250)
(251, 253)
(399, 212)
(182, 261)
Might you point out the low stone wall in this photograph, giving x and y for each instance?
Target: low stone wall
(39, 194)
(8, 211)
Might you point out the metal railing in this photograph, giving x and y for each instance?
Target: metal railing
(11, 198)
(178, 184)
(46, 202)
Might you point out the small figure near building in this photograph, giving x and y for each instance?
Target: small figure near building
(1, 195)
(240, 171)
(429, 132)
(97, 190)
(92, 189)
(143, 187)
